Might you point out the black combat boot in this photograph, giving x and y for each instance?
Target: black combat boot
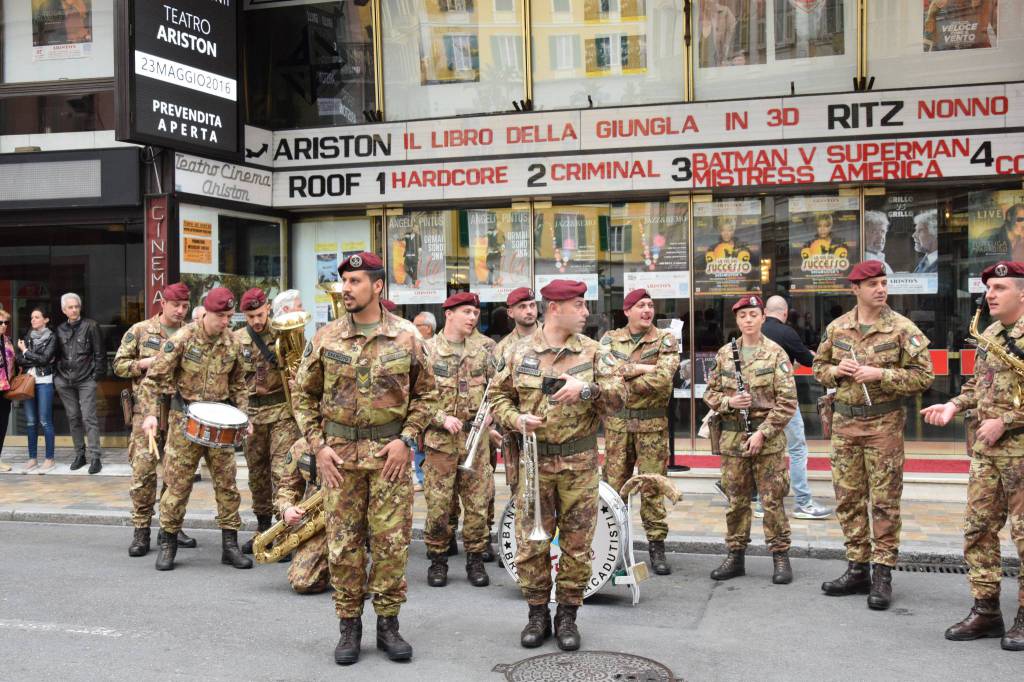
(168, 548)
(453, 546)
(140, 542)
(95, 466)
(732, 567)
(782, 572)
(79, 462)
(984, 620)
(488, 554)
(230, 554)
(475, 570)
(566, 632)
(186, 541)
(656, 552)
(881, 587)
(347, 651)
(1013, 640)
(538, 628)
(389, 641)
(263, 522)
(856, 580)
(437, 574)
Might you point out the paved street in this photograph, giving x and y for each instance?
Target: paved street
(73, 606)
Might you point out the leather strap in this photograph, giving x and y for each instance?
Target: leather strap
(275, 398)
(259, 343)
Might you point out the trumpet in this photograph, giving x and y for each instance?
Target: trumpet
(289, 345)
(477, 429)
(531, 466)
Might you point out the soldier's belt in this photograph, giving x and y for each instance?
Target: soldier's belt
(867, 410)
(653, 413)
(267, 400)
(737, 424)
(573, 447)
(179, 404)
(354, 433)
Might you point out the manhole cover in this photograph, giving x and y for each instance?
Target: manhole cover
(588, 666)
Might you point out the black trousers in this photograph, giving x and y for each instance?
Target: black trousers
(5, 413)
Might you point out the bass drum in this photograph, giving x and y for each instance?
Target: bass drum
(606, 551)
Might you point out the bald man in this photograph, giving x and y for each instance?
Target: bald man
(776, 311)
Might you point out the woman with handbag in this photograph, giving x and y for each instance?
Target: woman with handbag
(36, 352)
(7, 371)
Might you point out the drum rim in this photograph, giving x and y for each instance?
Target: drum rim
(209, 422)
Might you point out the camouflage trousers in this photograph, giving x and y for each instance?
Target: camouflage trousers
(367, 503)
(867, 469)
(308, 572)
(768, 474)
(568, 503)
(144, 469)
(510, 455)
(443, 482)
(648, 452)
(995, 492)
(265, 452)
(180, 460)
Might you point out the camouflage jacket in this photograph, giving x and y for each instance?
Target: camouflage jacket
(991, 392)
(360, 381)
(893, 344)
(291, 489)
(508, 341)
(516, 390)
(142, 340)
(262, 378)
(768, 378)
(658, 348)
(197, 366)
(460, 387)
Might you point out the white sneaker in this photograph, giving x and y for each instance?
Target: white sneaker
(812, 511)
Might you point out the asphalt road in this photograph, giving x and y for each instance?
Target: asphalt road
(74, 606)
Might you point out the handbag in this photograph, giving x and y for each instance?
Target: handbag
(23, 387)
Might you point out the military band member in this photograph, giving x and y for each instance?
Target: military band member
(308, 572)
(139, 347)
(461, 360)
(874, 358)
(637, 435)
(753, 439)
(995, 491)
(363, 394)
(565, 420)
(200, 362)
(288, 301)
(274, 428)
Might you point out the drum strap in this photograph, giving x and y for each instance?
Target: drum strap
(270, 358)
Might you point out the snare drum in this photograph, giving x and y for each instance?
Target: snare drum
(606, 551)
(215, 425)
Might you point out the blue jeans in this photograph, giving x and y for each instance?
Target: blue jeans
(796, 445)
(39, 411)
(418, 458)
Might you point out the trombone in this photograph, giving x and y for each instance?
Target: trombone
(531, 466)
(477, 429)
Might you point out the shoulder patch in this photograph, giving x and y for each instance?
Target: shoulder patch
(786, 367)
(169, 346)
(916, 341)
(128, 337)
(498, 363)
(669, 341)
(608, 359)
(606, 340)
(308, 350)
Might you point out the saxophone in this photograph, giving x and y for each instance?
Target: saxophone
(290, 538)
(1001, 353)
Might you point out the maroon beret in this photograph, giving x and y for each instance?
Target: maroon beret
(461, 298)
(219, 300)
(751, 301)
(634, 297)
(176, 292)
(253, 299)
(1004, 268)
(866, 270)
(563, 290)
(364, 260)
(389, 305)
(519, 295)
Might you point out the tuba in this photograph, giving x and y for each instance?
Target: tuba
(1001, 353)
(291, 340)
(333, 289)
(289, 538)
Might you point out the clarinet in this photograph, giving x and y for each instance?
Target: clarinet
(741, 387)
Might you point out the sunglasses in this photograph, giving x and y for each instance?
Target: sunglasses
(3, 321)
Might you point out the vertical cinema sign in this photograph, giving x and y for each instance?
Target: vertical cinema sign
(157, 221)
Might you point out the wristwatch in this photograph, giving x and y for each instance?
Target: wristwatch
(1007, 418)
(409, 441)
(586, 393)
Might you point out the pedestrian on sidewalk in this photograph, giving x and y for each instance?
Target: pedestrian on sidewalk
(36, 352)
(426, 325)
(81, 362)
(7, 372)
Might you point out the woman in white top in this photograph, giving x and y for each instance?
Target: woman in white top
(36, 352)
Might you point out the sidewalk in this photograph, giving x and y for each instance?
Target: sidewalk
(931, 530)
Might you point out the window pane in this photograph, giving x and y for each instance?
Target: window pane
(46, 40)
(33, 114)
(607, 52)
(450, 57)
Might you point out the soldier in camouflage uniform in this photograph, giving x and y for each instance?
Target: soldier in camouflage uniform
(308, 572)
(637, 436)
(201, 362)
(363, 394)
(867, 430)
(756, 461)
(137, 351)
(274, 428)
(461, 360)
(996, 487)
(565, 421)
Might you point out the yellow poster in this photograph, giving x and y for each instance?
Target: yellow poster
(198, 251)
(196, 228)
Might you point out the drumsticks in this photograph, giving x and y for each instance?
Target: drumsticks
(152, 446)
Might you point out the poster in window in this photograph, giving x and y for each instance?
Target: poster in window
(565, 241)
(959, 24)
(499, 247)
(732, 33)
(660, 262)
(326, 262)
(809, 28)
(995, 231)
(901, 230)
(727, 247)
(449, 43)
(823, 243)
(61, 29)
(416, 263)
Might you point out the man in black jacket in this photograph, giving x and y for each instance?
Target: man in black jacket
(81, 362)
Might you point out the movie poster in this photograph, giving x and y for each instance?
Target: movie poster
(499, 248)
(901, 229)
(959, 24)
(416, 257)
(661, 261)
(727, 247)
(731, 33)
(61, 29)
(565, 242)
(995, 231)
(823, 243)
